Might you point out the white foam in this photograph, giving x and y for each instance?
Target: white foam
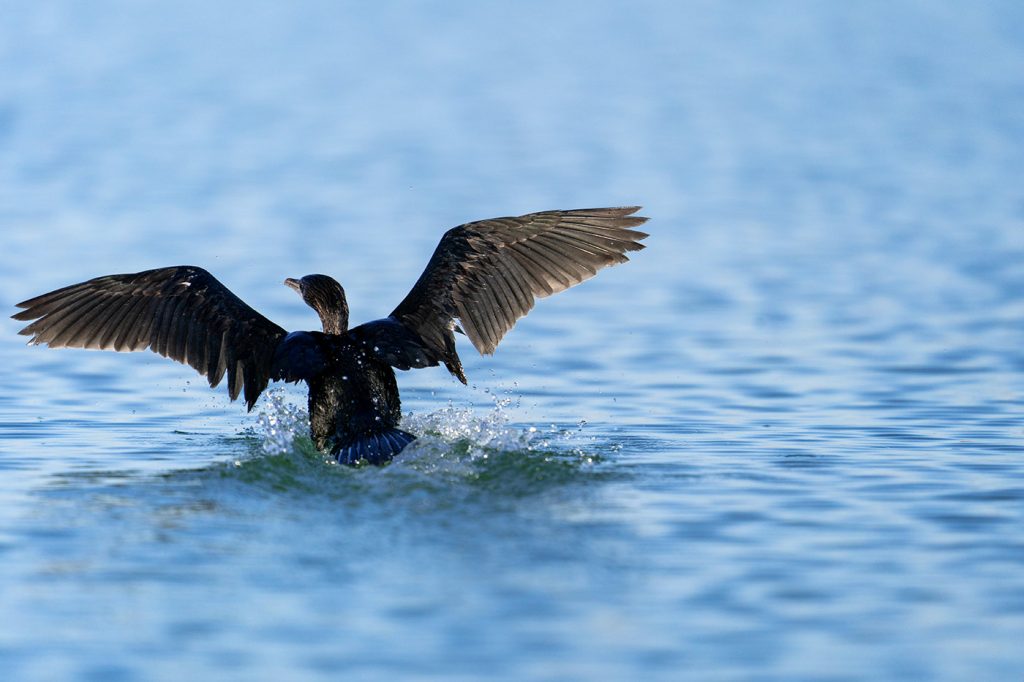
(449, 433)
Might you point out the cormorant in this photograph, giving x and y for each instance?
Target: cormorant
(484, 274)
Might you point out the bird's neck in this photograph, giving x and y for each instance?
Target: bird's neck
(335, 320)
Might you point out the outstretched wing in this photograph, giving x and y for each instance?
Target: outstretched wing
(182, 313)
(489, 273)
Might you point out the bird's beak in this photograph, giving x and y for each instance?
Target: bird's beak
(293, 284)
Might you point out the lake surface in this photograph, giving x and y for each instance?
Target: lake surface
(784, 442)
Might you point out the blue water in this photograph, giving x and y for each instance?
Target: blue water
(784, 442)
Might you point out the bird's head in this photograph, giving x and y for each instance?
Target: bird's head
(324, 295)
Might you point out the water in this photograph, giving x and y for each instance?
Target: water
(785, 442)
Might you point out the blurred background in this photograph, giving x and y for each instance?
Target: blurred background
(783, 443)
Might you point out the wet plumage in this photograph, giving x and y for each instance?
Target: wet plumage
(482, 277)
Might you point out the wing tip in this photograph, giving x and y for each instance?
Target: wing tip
(23, 315)
(618, 216)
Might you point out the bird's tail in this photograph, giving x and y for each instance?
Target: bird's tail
(374, 448)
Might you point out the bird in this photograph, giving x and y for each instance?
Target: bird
(482, 277)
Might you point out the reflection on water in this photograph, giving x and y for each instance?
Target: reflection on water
(785, 442)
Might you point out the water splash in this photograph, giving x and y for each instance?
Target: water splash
(451, 433)
(280, 423)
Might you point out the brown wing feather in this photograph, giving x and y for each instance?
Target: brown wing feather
(489, 273)
(183, 313)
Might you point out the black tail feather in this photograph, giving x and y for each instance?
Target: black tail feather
(373, 448)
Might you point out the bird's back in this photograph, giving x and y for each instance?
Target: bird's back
(355, 400)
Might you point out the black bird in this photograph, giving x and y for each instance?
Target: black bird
(485, 274)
